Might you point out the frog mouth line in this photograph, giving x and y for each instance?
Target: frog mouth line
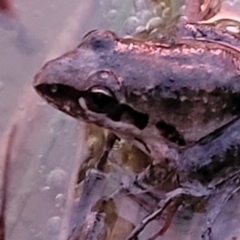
(66, 99)
(62, 97)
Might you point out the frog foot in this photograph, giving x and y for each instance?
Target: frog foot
(169, 198)
(216, 203)
(163, 176)
(207, 235)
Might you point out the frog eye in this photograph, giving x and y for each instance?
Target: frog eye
(100, 100)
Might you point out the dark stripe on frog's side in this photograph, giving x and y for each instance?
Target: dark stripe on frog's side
(170, 132)
(126, 114)
(196, 105)
(217, 133)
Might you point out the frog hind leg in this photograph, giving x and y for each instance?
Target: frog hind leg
(171, 210)
(170, 197)
(223, 192)
(215, 163)
(214, 157)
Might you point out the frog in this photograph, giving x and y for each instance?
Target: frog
(177, 102)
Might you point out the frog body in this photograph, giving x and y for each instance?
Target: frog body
(163, 98)
(208, 33)
(178, 103)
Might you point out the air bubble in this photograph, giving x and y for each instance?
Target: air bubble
(131, 24)
(145, 16)
(140, 4)
(154, 23)
(140, 29)
(112, 14)
(60, 200)
(45, 189)
(158, 10)
(182, 9)
(56, 178)
(166, 12)
(54, 225)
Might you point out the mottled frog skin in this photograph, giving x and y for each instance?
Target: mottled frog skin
(175, 102)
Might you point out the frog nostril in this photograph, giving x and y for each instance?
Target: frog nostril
(170, 132)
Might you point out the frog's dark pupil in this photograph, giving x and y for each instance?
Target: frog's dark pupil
(100, 102)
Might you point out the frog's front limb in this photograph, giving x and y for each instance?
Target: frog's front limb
(215, 162)
(219, 197)
(212, 162)
(111, 138)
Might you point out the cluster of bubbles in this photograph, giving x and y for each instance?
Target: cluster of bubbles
(149, 17)
(146, 17)
(156, 19)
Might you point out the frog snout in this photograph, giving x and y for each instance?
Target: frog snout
(36, 79)
(44, 76)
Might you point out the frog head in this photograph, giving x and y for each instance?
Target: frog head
(87, 83)
(147, 91)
